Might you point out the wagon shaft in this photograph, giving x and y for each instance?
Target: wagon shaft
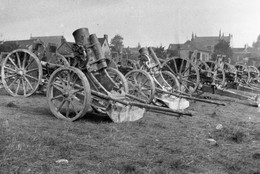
(142, 105)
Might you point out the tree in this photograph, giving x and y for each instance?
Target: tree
(223, 48)
(257, 43)
(117, 43)
(160, 52)
(8, 47)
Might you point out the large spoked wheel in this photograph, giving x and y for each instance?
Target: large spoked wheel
(68, 93)
(186, 72)
(172, 80)
(141, 85)
(119, 80)
(21, 73)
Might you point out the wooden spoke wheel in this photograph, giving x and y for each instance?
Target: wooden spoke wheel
(69, 93)
(21, 73)
(186, 72)
(218, 74)
(141, 85)
(243, 74)
(172, 80)
(119, 80)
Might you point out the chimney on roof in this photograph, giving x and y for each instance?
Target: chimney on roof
(106, 37)
(63, 40)
(219, 34)
(192, 36)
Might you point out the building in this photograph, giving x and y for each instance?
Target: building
(240, 55)
(209, 42)
(22, 44)
(203, 46)
(57, 40)
(190, 48)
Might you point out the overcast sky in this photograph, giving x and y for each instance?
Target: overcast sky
(150, 22)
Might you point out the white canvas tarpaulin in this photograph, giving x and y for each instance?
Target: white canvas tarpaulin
(122, 113)
(175, 103)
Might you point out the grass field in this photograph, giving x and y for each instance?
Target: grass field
(32, 140)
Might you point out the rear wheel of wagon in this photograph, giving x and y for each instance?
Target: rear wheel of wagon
(21, 73)
(186, 72)
(69, 93)
(141, 85)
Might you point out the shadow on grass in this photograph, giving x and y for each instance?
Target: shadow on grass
(95, 117)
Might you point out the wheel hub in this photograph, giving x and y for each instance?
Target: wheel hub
(20, 72)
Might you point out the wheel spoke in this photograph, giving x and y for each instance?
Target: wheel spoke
(175, 65)
(18, 60)
(56, 97)
(58, 87)
(24, 60)
(78, 91)
(9, 69)
(186, 80)
(144, 95)
(146, 80)
(62, 103)
(7, 77)
(31, 70)
(62, 81)
(67, 108)
(30, 62)
(189, 75)
(187, 68)
(18, 86)
(74, 81)
(182, 60)
(11, 60)
(170, 69)
(24, 87)
(11, 84)
(31, 77)
(30, 85)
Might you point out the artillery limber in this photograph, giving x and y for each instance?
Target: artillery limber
(23, 71)
(91, 86)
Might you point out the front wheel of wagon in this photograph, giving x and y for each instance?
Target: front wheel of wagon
(141, 85)
(69, 93)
